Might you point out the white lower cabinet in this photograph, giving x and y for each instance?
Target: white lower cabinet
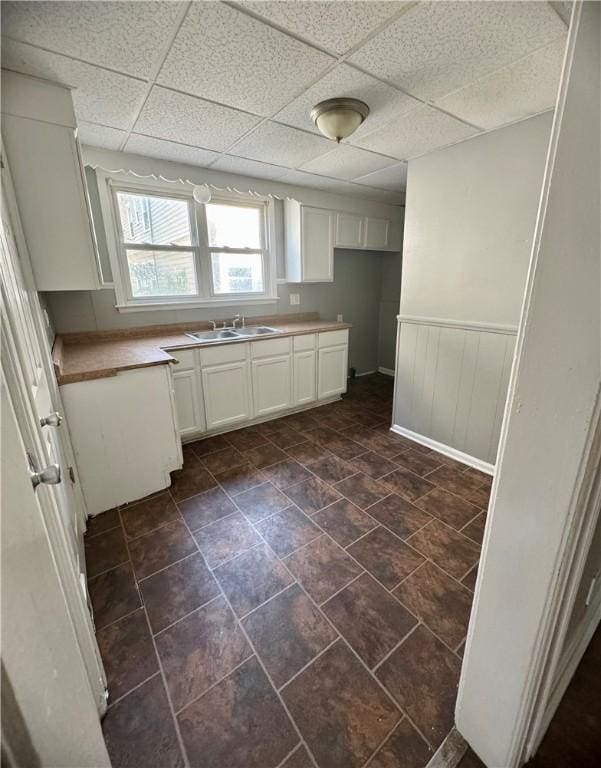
(332, 371)
(187, 405)
(226, 394)
(271, 383)
(305, 378)
(233, 384)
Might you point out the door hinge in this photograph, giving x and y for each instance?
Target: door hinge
(71, 475)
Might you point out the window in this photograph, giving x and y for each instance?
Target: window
(171, 250)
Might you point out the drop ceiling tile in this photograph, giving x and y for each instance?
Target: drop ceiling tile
(346, 162)
(385, 103)
(177, 116)
(127, 37)
(524, 88)
(302, 179)
(99, 136)
(437, 47)
(224, 55)
(169, 150)
(334, 26)
(243, 167)
(416, 133)
(99, 96)
(281, 145)
(393, 178)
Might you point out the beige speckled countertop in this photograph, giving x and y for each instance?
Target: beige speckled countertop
(100, 354)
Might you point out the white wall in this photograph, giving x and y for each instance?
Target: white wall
(550, 414)
(469, 222)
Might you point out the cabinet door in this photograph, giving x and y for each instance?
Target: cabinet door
(187, 405)
(271, 382)
(317, 245)
(332, 371)
(304, 377)
(349, 230)
(377, 233)
(226, 394)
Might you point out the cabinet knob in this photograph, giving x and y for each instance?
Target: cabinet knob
(52, 420)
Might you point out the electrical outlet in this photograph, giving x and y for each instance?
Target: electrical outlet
(294, 299)
(339, 318)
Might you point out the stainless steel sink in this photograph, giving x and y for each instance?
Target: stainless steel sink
(256, 330)
(206, 337)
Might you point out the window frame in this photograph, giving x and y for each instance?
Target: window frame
(111, 183)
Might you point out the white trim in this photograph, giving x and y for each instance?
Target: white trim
(466, 325)
(241, 300)
(386, 371)
(452, 453)
(571, 658)
(364, 373)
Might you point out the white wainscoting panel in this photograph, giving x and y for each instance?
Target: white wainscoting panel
(451, 382)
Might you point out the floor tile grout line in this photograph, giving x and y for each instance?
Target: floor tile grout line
(290, 754)
(260, 662)
(233, 557)
(161, 670)
(306, 666)
(108, 570)
(116, 621)
(269, 599)
(217, 682)
(185, 616)
(213, 522)
(338, 591)
(90, 536)
(135, 688)
(164, 568)
(397, 646)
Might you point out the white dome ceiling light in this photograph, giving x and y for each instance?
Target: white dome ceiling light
(339, 118)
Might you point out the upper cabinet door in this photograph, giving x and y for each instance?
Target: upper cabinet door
(349, 230)
(317, 245)
(38, 130)
(377, 233)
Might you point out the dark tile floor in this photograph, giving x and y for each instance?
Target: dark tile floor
(298, 597)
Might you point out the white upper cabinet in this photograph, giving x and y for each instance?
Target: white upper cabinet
(309, 244)
(365, 232)
(349, 230)
(377, 234)
(39, 136)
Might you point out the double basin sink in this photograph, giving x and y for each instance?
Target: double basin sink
(206, 337)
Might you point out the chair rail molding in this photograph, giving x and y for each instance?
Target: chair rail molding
(466, 325)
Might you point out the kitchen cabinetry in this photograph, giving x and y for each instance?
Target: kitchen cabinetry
(271, 376)
(365, 232)
(39, 136)
(332, 364)
(309, 243)
(225, 387)
(123, 434)
(304, 370)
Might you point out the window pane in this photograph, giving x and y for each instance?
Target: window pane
(237, 272)
(161, 273)
(233, 227)
(154, 220)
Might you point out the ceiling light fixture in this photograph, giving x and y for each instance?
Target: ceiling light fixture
(339, 118)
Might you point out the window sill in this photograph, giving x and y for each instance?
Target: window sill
(178, 305)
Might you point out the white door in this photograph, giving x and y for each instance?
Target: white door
(349, 230)
(37, 405)
(48, 702)
(226, 394)
(377, 233)
(271, 382)
(304, 377)
(332, 371)
(317, 244)
(187, 407)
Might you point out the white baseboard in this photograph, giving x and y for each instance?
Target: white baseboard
(570, 660)
(452, 453)
(365, 373)
(386, 371)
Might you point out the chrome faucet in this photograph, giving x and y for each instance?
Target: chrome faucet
(238, 319)
(214, 324)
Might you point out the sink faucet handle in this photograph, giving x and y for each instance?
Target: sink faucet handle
(214, 324)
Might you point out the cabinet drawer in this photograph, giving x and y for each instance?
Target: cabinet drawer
(228, 353)
(304, 342)
(185, 357)
(269, 347)
(331, 338)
